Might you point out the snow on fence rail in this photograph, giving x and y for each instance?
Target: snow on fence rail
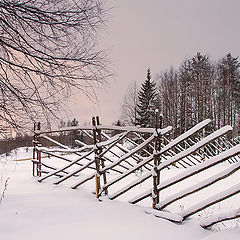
(169, 162)
(225, 216)
(152, 151)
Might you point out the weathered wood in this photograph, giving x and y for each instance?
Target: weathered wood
(52, 168)
(180, 149)
(225, 143)
(65, 159)
(136, 157)
(74, 172)
(144, 150)
(39, 165)
(129, 154)
(190, 172)
(121, 165)
(211, 201)
(101, 127)
(157, 160)
(66, 148)
(39, 153)
(101, 153)
(174, 159)
(113, 144)
(34, 148)
(114, 164)
(143, 139)
(167, 163)
(126, 173)
(97, 160)
(46, 172)
(87, 178)
(66, 129)
(135, 144)
(199, 186)
(67, 166)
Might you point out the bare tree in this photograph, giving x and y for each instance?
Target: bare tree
(169, 98)
(129, 105)
(48, 48)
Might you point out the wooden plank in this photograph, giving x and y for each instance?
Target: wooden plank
(97, 160)
(128, 172)
(89, 177)
(105, 135)
(101, 152)
(74, 172)
(199, 186)
(163, 150)
(201, 167)
(46, 172)
(170, 161)
(113, 144)
(67, 166)
(156, 162)
(129, 154)
(211, 201)
(125, 150)
(101, 127)
(108, 159)
(54, 168)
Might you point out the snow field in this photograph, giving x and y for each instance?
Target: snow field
(58, 212)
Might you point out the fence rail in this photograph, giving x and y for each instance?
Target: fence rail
(151, 150)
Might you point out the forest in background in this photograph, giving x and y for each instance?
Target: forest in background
(200, 88)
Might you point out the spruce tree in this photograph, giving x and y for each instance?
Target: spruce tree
(146, 97)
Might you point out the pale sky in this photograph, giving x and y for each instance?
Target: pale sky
(158, 34)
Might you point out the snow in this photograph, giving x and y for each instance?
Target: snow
(227, 234)
(66, 166)
(164, 149)
(126, 173)
(185, 135)
(33, 210)
(111, 140)
(183, 154)
(129, 154)
(105, 127)
(199, 185)
(220, 217)
(212, 200)
(165, 215)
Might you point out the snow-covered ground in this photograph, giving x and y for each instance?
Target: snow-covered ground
(33, 210)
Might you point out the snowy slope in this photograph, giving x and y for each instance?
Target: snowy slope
(32, 210)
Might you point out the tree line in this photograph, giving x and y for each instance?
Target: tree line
(200, 88)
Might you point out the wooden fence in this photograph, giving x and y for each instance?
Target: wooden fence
(151, 150)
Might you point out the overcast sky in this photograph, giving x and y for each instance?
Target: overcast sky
(158, 34)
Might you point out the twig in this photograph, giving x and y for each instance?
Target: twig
(4, 190)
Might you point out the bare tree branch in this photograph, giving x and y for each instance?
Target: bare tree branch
(48, 48)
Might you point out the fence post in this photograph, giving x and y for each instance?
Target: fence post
(100, 150)
(34, 148)
(39, 164)
(157, 160)
(97, 176)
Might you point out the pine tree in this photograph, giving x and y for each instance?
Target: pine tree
(146, 98)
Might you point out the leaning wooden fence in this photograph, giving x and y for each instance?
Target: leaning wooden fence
(152, 150)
